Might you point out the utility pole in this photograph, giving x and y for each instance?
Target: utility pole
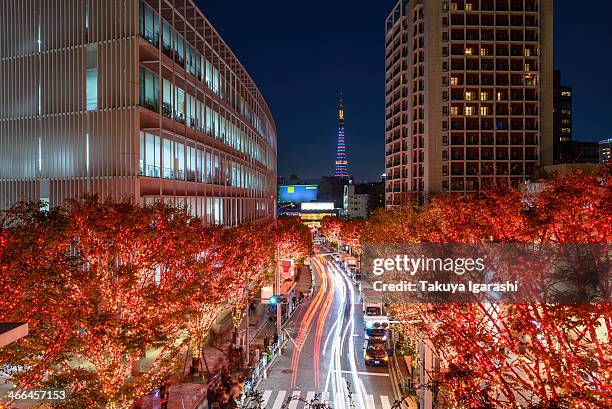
(279, 303)
(277, 285)
(246, 335)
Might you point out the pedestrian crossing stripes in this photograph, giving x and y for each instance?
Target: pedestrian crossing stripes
(275, 399)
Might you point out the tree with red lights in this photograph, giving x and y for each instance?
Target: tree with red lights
(293, 239)
(503, 355)
(100, 284)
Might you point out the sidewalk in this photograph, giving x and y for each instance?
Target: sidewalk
(190, 392)
(192, 395)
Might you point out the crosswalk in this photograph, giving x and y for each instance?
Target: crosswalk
(276, 399)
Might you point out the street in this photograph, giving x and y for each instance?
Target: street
(324, 355)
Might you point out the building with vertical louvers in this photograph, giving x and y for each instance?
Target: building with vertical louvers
(468, 91)
(131, 99)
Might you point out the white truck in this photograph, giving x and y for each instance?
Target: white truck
(374, 315)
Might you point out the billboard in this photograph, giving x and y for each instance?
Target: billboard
(318, 206)
(297, 193)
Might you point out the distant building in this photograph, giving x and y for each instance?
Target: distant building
(562, 119)
(605, 151)
(578, 152)
(361, 199)
(355, 204)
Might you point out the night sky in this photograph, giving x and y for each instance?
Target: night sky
(302, 53)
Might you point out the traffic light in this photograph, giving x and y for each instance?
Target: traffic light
(273, 300)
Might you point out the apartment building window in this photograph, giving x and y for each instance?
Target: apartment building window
(484, 96)
(566, 93)
(445, 81)
(469, 95)
(468, 51)
(468, 7)
(444, 155)
(445, 95)
(149, 90)
(454, 81)
(484, 51)
(527, 52)
(445, 125)
(445, 36)
(445, 110)
(445, 6)
(484, 110)
(454, 111)
(469, 110)
(149, 24)
(445, 51)
(150, 155)
(91, 80)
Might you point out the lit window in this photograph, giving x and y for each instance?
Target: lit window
(566, 130)
(566, 93)
(454, 81)
(484, 51)
(91, 80)
(527, 67)
(527, 52)
(469, 110)
(468, 6)
(469, 95)
(484, 110)
(468, 51)
(484, 96)
(499, 96)
(454, 111)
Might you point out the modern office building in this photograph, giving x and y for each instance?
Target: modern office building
(562, 119)
(605, 151)
(355, 204)
(131, 99)
(468, 92)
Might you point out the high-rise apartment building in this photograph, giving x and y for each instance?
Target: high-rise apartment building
(131, 99)
(562, 118)
(468, 91)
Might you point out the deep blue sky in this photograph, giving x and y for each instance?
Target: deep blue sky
(302, 53)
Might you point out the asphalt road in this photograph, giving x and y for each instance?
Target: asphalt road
(324, 356)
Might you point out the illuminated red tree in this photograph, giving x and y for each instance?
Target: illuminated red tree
(330, 227)
(502, 355)
(293, 240)
(100, 284)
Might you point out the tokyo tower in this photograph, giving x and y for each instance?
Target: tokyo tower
(341, 162)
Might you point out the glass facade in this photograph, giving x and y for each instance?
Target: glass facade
(170, 159)
(196, 114)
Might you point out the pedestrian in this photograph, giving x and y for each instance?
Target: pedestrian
(164, 394)
(275, 339)
(211, 395)
(239, 357)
